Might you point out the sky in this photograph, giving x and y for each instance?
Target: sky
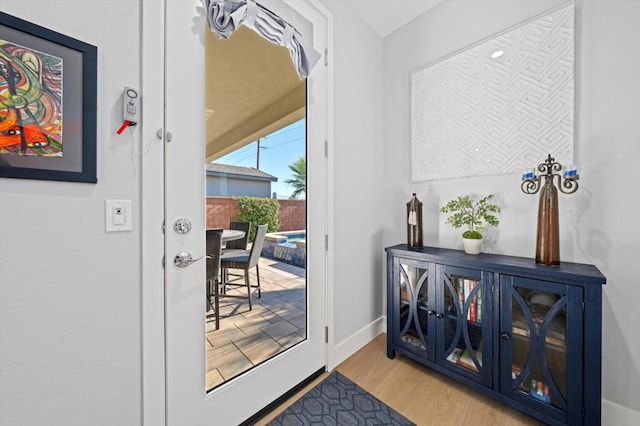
(277, 151)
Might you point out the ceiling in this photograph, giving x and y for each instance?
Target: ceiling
(253, 89)
(386, 16)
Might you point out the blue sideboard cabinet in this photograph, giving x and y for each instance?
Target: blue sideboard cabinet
(525, 334)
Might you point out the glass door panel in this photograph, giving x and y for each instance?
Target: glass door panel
(413, 299)
(254, 179)
(538, 351)
(463, 303)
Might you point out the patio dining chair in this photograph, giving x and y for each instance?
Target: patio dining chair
(213, 253)
(240, 244)
(245, 261)
(236, 247)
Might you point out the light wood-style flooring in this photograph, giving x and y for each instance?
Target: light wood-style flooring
(420, 394)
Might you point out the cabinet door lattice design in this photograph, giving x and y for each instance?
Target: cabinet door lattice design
(539, 359)
(413, 299)
(463, 321)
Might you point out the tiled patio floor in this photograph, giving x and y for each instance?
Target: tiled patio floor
(247, 338)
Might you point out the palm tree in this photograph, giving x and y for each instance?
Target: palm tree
(299, 180)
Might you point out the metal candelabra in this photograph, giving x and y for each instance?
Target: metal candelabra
(548, 236)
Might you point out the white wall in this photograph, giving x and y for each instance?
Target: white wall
(70, 327)
(598, 224)
(70, 293)
(357, 166)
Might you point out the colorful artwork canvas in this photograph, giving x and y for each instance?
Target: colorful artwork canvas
(40, 70)
(30, 102)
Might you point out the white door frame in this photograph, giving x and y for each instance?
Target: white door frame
(152, 208)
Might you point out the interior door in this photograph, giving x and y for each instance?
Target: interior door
(187, 399)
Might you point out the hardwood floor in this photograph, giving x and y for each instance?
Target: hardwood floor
(420, 394)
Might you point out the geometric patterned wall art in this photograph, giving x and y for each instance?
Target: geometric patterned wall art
(499, 106)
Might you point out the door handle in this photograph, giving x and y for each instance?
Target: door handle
(184, 259)
(505, 337)
(439, 316)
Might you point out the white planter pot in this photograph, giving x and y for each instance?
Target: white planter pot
(472, 246)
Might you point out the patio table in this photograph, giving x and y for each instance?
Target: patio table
(231, 234)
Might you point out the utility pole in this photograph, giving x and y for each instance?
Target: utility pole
(258, 156)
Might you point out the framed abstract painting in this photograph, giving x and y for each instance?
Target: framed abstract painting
(47, 104)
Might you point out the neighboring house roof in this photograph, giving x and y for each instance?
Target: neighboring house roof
(238, 172)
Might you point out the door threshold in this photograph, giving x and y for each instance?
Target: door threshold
(285, 396)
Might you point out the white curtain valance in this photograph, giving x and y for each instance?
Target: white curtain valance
(225, 16)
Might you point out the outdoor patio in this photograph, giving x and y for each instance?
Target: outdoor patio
(247, 338)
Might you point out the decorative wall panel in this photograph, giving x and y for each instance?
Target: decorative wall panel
(499, 106)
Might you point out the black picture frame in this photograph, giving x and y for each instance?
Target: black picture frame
(73, 153)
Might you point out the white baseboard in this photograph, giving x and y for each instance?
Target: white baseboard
(619, 415)
(355, 342)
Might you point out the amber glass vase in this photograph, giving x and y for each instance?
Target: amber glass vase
(548, 238)
(414, 222)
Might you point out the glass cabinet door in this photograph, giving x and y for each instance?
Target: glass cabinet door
(465, 322)
(413, 302)
(536, 333)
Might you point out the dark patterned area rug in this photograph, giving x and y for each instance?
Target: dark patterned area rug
(338, 401)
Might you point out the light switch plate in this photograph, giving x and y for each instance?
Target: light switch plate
(118, 215)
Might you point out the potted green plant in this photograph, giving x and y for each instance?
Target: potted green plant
(472, 214)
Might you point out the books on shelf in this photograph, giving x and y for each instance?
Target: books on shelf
(479, 307)
(548, 339)
(461, 294)
(540, 391)
(466, 361)
(467, 291)
(515, 371)
(556, 329)
(466, 287)
(472, 305)
(403, 293)
(413, 339)
(455, 355)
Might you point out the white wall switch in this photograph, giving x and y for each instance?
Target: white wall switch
(118, 215)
